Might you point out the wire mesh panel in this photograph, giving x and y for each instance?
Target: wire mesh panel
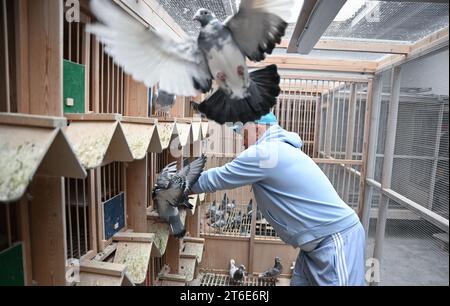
(415, 252)
(345, 179)
(420, 168)
(78, 218)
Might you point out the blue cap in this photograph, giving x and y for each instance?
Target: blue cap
(270, 118)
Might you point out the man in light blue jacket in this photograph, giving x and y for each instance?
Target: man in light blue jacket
(299, 201)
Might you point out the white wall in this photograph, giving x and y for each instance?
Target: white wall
(431, 71)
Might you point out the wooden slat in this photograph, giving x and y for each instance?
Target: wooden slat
(32, 120)
(103, 268)
(371, 46)
(307, 63)
(134, 237)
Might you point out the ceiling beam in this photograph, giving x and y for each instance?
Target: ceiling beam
(319, 64)
(314, 19)
(363, 46)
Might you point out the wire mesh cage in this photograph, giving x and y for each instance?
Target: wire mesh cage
(227, 213)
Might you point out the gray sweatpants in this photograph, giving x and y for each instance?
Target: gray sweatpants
(337, 261)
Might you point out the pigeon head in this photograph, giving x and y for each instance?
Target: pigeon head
(204, 16)
(242, 268)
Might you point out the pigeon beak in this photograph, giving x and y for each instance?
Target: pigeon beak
(196, 17)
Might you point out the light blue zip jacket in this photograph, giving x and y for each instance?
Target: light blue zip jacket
(294, 195)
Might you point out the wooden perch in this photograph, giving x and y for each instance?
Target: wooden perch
(133, 251)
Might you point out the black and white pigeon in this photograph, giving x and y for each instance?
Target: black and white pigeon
(274, 272)
(236, 273)
(188, 67)
(172, 190)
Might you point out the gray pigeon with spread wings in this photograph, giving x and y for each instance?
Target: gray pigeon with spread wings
(188, 67)
(171, 192)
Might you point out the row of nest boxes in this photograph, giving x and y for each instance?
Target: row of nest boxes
(68, 146)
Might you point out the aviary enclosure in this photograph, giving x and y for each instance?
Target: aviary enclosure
(81, 145)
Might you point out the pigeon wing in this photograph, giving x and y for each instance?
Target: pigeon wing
(192, 172)
(150, 57)
(259, 26)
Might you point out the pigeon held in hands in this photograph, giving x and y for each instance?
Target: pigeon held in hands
(187, 68)
(171, 192)
(237, 274)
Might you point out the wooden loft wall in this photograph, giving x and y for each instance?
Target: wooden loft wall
(39, 90)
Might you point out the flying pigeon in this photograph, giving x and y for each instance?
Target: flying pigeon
(171, 192)
(236, 273)
(188, 67)
(275, 271)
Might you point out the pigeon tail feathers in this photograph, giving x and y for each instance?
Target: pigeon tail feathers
(261, 97)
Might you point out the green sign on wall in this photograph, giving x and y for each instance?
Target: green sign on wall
(11, 266)
(74, 88)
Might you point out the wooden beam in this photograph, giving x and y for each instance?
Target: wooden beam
(371, 46)
(300, 62)
(40, 46)
(32, 120)
(137, 195)
(47, 228)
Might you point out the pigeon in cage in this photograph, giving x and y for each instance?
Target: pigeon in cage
(231, 206)
(188, 67)
(218, 215)
(221, 223)
(236, 222)
(211, 209)
(224, 202)
(172, 189)
(237, 274)
(275, 271)
(259, 215)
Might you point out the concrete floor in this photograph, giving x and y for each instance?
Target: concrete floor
(411, 255)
